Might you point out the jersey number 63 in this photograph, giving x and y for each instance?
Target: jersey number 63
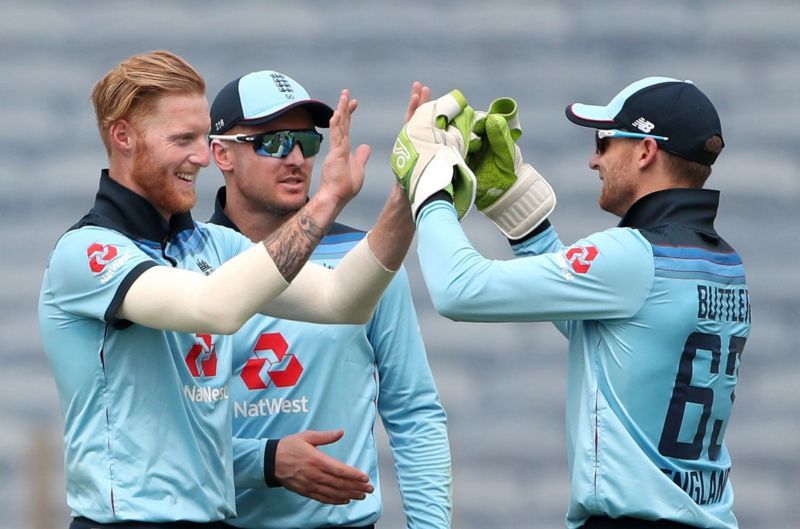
(685, 393)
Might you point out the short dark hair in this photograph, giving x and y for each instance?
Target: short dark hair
(694, 174)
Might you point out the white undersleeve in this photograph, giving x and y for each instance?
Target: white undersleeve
(182, 300)
(347, 294)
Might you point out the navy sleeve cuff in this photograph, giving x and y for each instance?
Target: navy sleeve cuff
(439, 195)
(539, 229)
(119, 296)
(270, 450)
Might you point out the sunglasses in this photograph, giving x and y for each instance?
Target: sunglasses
(602, 138)
(277, 144)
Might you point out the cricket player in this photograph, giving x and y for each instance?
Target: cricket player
(138, 300)
(306, 395)
(656, 310)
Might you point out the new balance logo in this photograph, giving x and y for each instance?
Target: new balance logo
(643, 125)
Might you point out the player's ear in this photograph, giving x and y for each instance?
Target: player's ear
(222, 155)
(122, 137)
(646, 153)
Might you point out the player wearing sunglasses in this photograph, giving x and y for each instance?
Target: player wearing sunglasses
(334, 380)
(656, 310)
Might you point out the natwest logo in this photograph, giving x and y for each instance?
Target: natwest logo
(202, 357)
(580, 258)
(282, 369)
(100, 255)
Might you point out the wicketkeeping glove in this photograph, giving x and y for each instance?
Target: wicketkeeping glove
(511, 193)
(428, 155)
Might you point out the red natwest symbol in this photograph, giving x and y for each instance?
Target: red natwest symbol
(284, 371)
(100, 255)
(205, 351)
(581, 257)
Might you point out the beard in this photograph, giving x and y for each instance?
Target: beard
(158, 183)
(617, 197)
(619, 186)
(285, 208)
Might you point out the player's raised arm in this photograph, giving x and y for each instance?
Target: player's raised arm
(164, 297)
(365, 271)
(390, 238)
(342, 178)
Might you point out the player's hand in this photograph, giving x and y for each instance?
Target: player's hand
(302, 468)
(493, 150)
(428, 155)
(342, 170)
(420, 94)
(510, 192)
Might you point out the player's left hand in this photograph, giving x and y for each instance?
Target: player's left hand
(302, 468)
(510, 192)
(343, 170)
(428, 155)
(420, 94)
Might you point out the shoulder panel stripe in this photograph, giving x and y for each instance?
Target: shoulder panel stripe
(701, 265)
(695, 252)
(696, 263)
(699, 275)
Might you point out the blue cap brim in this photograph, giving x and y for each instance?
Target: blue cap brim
(603, 117)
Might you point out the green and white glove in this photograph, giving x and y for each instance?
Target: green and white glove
(428, 155)
(511, 193)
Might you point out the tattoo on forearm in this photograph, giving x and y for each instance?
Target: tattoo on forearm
(292, 244)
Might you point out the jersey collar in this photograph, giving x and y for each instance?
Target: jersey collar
(129, 213)
(695, 208)
(219, 217)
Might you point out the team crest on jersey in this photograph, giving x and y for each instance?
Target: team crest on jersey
(580, 258)
(270, 353)
(204, 267)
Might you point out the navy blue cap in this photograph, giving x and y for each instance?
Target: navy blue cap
(259, 97)
(661, 106)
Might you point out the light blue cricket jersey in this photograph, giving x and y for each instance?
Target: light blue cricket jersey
(657, 313)
(147, 433)
(292, 376)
